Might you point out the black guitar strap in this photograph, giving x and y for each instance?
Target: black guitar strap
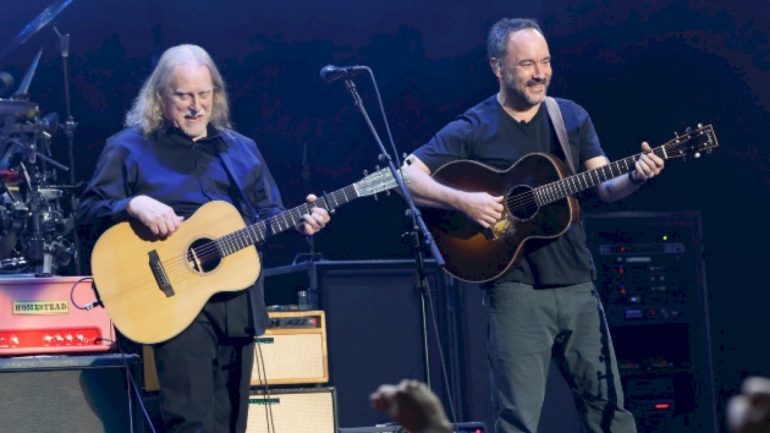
(554, 112)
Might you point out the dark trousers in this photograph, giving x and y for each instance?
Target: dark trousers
(528, 328)
(204, 380)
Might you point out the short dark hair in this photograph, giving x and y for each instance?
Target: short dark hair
(497, 40)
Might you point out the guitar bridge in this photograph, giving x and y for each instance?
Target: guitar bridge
(160, 274)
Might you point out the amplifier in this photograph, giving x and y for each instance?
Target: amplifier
(303, 410)
(293, 350)
(41, 316)
(460, 427)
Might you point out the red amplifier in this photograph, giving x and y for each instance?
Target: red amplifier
(44, 315)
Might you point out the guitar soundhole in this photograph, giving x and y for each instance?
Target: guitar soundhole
(203, 255)
(521, 202)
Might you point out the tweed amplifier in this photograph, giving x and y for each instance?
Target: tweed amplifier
(293, 350)
(303, 410)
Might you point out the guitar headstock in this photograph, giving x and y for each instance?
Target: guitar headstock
(379, 181)
(692, 143)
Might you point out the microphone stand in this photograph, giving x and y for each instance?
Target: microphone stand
(69, 131)
(419, 235)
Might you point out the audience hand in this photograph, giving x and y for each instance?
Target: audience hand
(412, 405)
(749, 412)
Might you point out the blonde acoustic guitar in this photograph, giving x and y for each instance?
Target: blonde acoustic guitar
(153, 288)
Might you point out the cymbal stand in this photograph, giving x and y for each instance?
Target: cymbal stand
(69, 131)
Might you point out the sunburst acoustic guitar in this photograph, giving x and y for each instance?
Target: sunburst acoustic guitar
(539, 204)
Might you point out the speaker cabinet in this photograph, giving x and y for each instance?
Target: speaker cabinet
(305, 410)
(67, 394)
(373, 324)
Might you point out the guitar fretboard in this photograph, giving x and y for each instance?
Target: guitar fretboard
(560, 189)
(261, 230)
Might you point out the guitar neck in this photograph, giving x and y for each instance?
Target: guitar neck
(560, 189)
(261, 230)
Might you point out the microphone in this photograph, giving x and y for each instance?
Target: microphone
(331, 73)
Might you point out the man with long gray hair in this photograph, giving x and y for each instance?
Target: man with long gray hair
(177, 153)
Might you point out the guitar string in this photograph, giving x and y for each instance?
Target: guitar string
(205, 252)
(561, 187)
(211, 249)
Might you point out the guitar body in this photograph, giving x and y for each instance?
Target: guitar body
(130, 291)
(478, 255)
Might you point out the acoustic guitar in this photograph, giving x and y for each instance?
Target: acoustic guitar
(154, 288)
(538, 204)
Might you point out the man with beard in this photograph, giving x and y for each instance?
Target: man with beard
(177, 153)
(545, 306)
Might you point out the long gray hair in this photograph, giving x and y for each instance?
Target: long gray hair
(147, 111)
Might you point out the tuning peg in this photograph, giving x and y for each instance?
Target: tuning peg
(688, 130)
(700, 125)
(676, 134)
(366, 172)
(387, 192)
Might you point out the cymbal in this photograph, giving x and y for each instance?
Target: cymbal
(45, 17)
(10, 107)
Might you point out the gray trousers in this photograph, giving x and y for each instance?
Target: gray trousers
(528, 328)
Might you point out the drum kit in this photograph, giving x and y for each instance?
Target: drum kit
(36, 224)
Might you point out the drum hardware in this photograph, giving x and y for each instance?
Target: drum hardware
(36, 232)
(17, 109)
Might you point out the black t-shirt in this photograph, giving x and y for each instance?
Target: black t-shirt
(486, 133)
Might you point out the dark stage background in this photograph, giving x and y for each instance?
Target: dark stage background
(642, 69)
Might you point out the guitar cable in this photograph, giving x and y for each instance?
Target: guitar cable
(262, 376)
(132, 386)
(442, 362)
(90, 306)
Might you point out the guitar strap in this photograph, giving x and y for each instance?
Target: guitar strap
(554, 112)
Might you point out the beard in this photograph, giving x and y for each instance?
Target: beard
(523, 91)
